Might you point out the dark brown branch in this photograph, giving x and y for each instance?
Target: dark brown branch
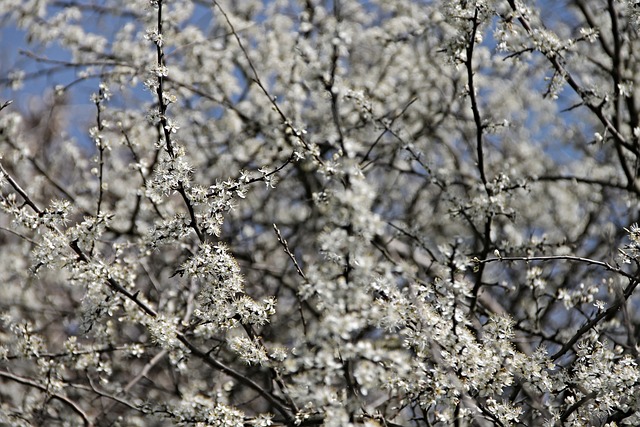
(205, 357)
(70, 403)
(597, 109)
(472, 96)
(612, 310)
(286, 249)
(264, 90)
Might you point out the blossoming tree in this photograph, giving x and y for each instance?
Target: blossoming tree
(340, 213)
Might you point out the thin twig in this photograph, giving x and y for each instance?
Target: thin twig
(166, 127)
(602, 314)
(15, 233)
(262, 87)
(590, 261)
(74, 245)
(43, 172)
(6, 104)
(64, 399)
(281, 408)
(286, 249)
(20, 191)
(555, 61)
(135, 380)
(472, 97)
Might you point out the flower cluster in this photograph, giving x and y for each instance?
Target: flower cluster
(279, 229)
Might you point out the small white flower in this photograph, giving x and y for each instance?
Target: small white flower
(598, 137)
(171, 126)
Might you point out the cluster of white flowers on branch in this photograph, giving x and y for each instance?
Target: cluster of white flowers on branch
(336, 213)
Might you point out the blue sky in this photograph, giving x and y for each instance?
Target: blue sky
(13, 43)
